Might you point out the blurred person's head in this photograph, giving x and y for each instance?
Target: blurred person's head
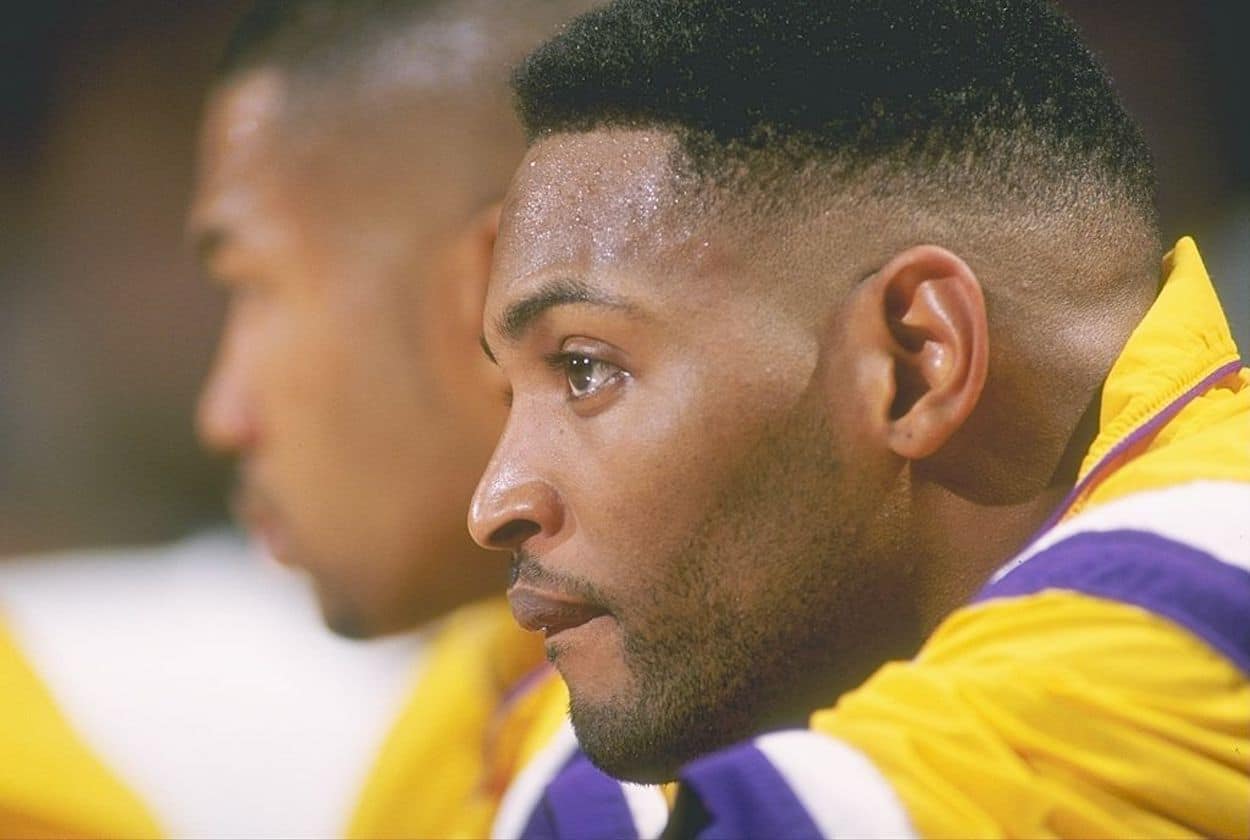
(353, 155)
(803, 308)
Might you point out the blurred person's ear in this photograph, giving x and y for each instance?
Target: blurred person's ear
(464, 276)
(472, 252)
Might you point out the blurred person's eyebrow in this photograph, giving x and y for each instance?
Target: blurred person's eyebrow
(208, 242)
(481, 339)
(522, 314)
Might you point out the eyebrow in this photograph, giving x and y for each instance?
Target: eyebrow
(481, 339)
(208, 242)
(522, 314)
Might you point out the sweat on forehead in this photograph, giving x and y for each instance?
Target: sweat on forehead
(619, 199)
(600, 197)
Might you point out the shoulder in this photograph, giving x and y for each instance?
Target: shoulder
(1180, 554)
(1098, 685)
(39, 744)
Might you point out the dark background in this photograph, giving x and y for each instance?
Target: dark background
(106, 328)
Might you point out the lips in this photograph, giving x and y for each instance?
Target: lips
(273, 537)
(261, 519)
(550, 612)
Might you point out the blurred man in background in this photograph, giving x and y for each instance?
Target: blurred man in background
(353, 155)
(350, 165)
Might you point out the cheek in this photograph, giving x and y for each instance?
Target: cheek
(302, 381)
(650, 470)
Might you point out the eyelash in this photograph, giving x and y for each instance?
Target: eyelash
(559, 363)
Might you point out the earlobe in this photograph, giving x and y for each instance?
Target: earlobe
(934, 311)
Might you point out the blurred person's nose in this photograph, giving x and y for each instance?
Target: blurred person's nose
(225, 416)
(512, 503)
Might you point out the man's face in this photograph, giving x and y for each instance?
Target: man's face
(672, 478)
(340, 382)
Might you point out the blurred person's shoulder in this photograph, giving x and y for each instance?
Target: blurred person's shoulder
(220, 552)
(476, 705)
(200, 674)
(181, 665)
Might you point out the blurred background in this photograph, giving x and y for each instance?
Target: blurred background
(106, 328)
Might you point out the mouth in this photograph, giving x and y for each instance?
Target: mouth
(272, 538)
(262, 521)
(551, 613)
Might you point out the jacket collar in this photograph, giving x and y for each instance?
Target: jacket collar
(1183, 340)
(1179, 350)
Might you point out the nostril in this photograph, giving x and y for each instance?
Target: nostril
(513, 533)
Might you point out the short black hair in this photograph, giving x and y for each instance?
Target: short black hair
(925, 82)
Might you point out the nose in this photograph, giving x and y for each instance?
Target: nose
(510, 507)
(225, 418)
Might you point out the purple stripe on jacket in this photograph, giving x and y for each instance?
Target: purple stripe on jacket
(1208, 597)
(581, 802)
(737, 793)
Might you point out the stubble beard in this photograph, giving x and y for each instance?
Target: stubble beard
(722, 667)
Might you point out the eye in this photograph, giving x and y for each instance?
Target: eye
(586, 375)
(246, 293)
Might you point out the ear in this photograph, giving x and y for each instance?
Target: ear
(931, 323)
(461, 279)
(469, 265)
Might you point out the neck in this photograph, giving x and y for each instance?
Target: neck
(963, 543)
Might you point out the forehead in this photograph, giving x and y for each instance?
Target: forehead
(237, 177)
(600, 204)
(337, 175)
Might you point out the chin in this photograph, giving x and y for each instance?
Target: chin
(634, 744)
(344, 619)
(625, 766)
(658, 721)
(348, 625)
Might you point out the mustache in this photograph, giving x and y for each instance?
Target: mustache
(527, 568)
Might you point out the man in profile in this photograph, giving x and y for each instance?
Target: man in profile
(353, 156)
(835, 336)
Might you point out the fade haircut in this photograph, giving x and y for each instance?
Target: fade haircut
(910, 84)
